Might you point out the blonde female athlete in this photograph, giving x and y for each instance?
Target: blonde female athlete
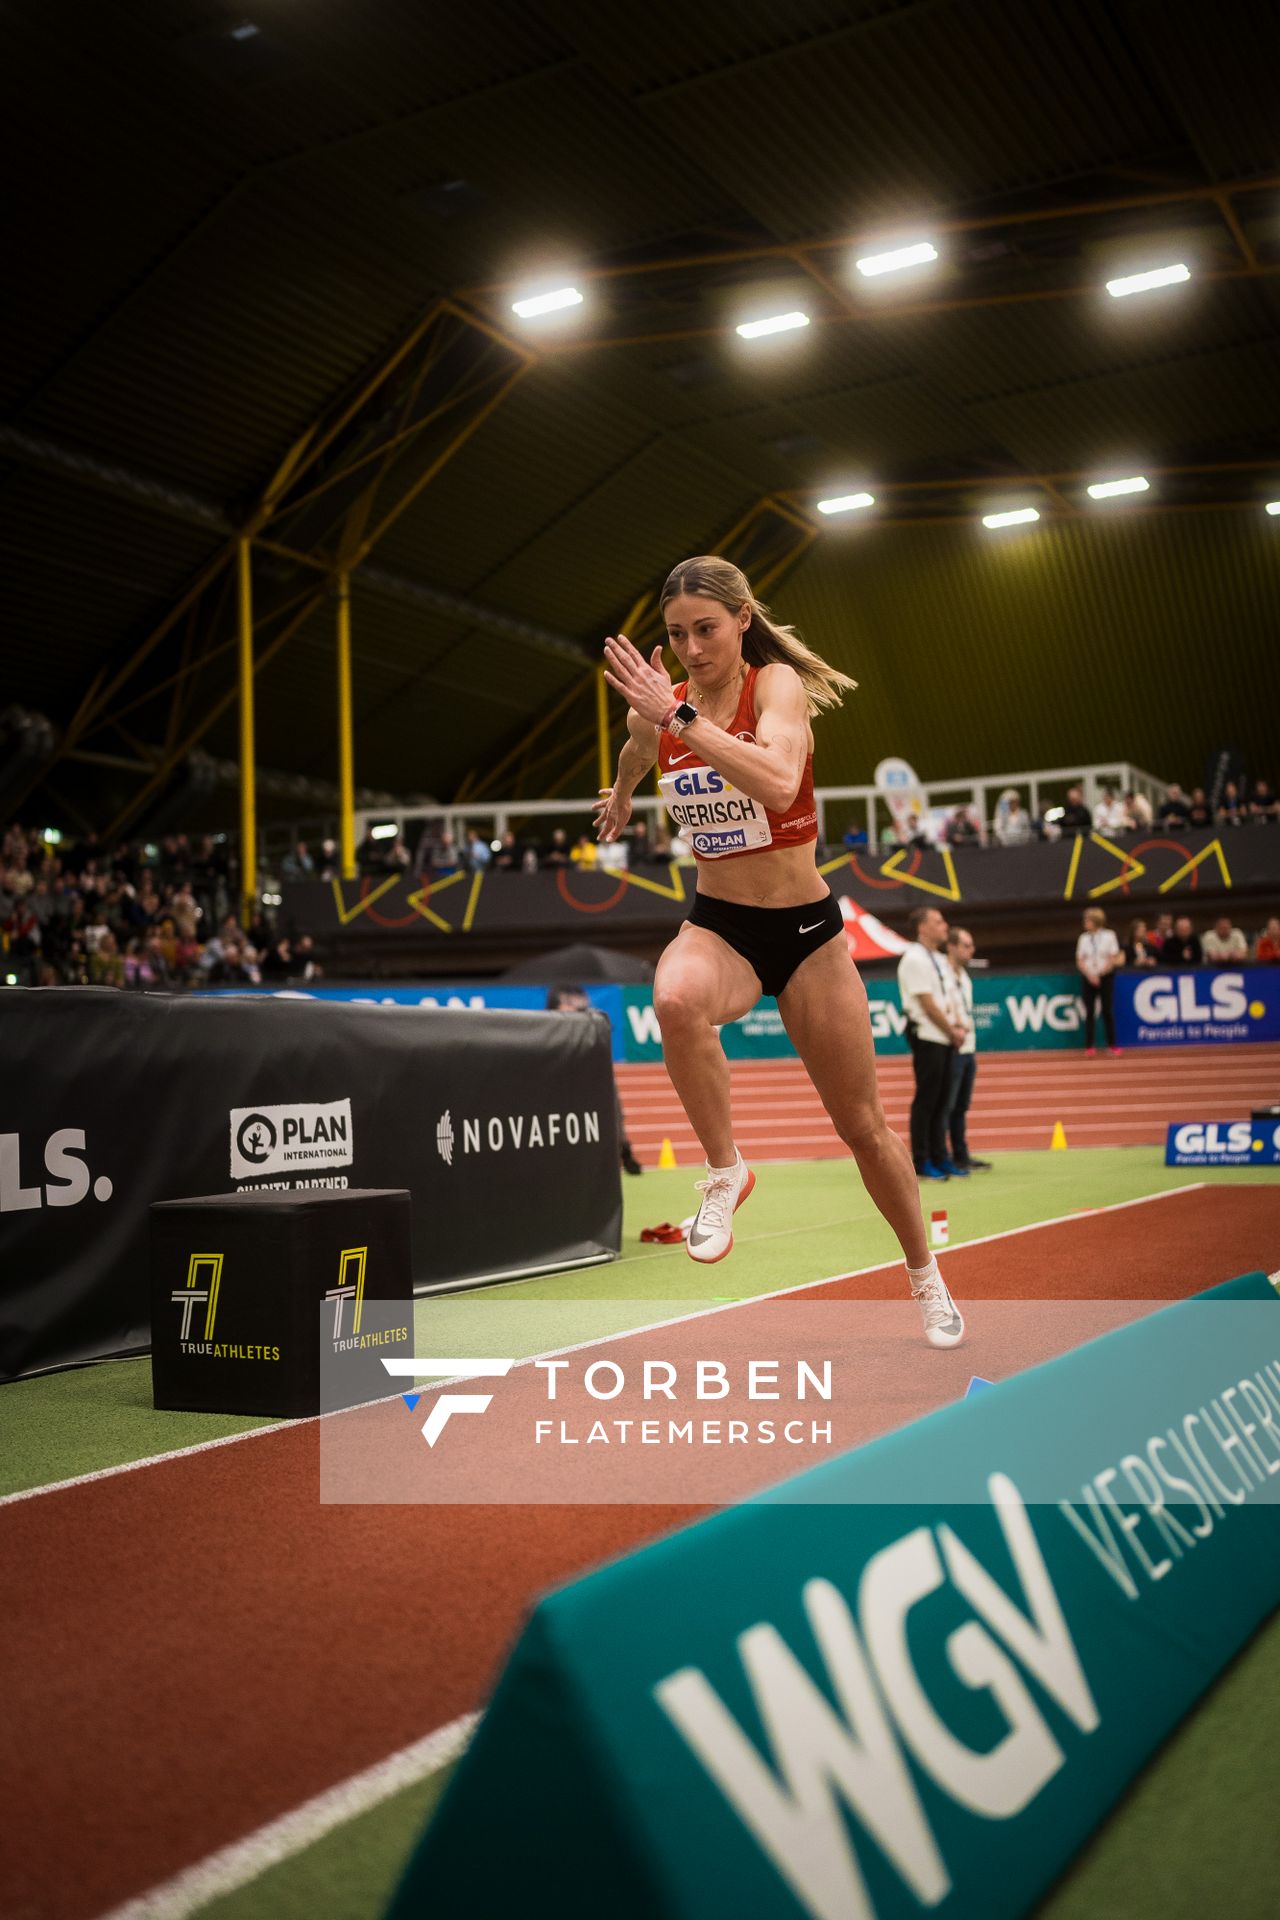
(735, 748)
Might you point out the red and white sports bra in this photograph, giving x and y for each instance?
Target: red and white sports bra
(715, 817)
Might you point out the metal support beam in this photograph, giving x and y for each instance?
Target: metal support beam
(346, 742)
(605, 758)
(248, 794)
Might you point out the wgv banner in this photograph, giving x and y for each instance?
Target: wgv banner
(914, 1679)
(1012, 1012)
(1202, 1008)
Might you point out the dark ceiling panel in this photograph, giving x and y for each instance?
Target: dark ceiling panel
(223, 236)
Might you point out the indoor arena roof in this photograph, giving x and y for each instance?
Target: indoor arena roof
(232, 221)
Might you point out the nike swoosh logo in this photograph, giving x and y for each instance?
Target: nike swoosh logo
(813, 928)
(676, 758)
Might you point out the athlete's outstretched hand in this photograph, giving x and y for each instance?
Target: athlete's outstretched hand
(644, 685)
(612, 812)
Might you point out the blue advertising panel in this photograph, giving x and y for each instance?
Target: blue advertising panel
(471, 996)
(1201, 1007)
(1222, 1143)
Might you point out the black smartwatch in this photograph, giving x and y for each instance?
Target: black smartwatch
(683, 716)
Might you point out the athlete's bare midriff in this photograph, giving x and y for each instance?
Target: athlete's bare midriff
(773, 877)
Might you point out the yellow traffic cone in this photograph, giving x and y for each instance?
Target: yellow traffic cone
(1059, 1135)
(667, 1154)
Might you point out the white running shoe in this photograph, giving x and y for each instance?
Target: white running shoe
(711, 1235)
(943, 1321)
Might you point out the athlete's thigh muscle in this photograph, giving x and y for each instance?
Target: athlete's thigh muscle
(704, 974)
(824, 1009)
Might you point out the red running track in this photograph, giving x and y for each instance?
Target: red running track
(1018, 1096)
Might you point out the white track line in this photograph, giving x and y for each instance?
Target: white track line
(235, 1866)
(599, 1340)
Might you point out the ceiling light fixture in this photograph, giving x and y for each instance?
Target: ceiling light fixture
(1273, 506)
(913, 256)
(776, 323)
(1110, 489)
(538, 303)
(846, 502)
(1141, 282)
(1018, 518)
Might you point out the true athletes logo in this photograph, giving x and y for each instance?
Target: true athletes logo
(208, 1266)
(191, 1296)
(351, 1261)
(289, 1139)
(517, 1131)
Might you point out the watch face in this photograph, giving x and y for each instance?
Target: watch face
(685, 713)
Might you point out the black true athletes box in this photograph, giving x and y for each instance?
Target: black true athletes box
(279, 1303)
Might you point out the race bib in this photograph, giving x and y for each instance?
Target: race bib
(712, 815)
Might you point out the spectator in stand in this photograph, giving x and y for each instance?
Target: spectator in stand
(227, 935)
(443, 858)
(1012, 822)
(138, 971)
(1160, 934)
(964, 1059)
(1225, 945)
(234, 967)
(297, 863)
(1097, 957)
(1182, 947)
(1200, 813)
(1231, 812)
(1267, 951)
(1110, 816)
(558, 852)
(1138, 809)
(1264, 808)
(106, 963)
(1076, 818)
(479, 852)
(1174, 810)
(507, 857)
(962, 829)
(1140, 950)
(584, 853)
(639, 851)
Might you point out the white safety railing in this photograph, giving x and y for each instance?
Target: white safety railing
(864, 807)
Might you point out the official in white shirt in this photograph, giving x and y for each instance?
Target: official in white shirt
(927, 986)
(1098, 955)
(964, 1060)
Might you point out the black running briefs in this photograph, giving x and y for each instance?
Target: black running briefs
(772, 940)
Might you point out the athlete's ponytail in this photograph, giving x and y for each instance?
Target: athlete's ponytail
(765, 639)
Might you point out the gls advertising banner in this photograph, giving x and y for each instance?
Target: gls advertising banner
(1202, 1008)
(1222, 1143)
(503, 1127)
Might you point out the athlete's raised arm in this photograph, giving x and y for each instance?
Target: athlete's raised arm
(768, 769)
(639, 752)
